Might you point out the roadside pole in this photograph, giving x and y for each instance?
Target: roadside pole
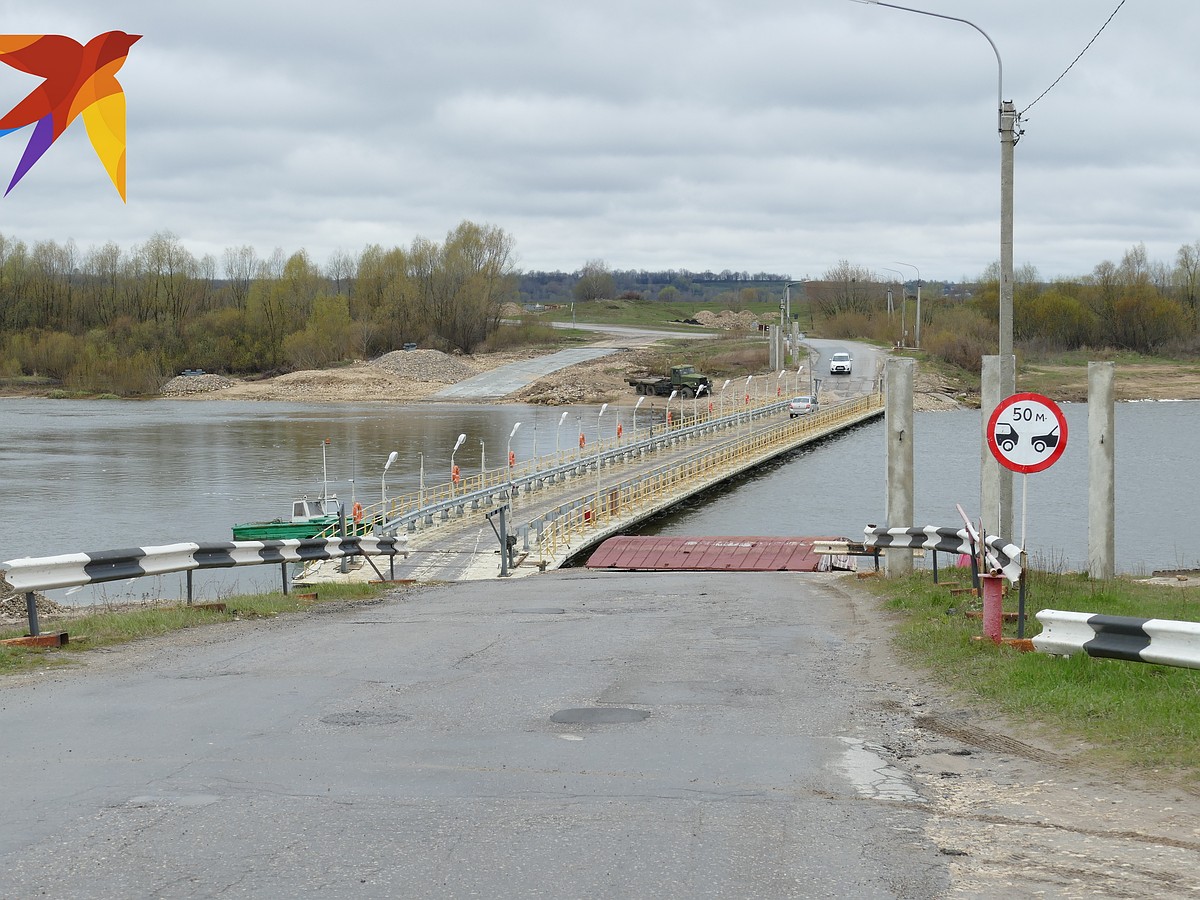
(1101, 471)
(898, 428)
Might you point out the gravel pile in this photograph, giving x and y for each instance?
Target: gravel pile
(423, 365)
(727, 320)
(183, 385)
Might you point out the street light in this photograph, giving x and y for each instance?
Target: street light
(383, 482)
(1008, 123)
(917, 327)
(725, 385)
(903, 304)
(595, 516)
(779, 383)
(696, 400)
(635, 409)
(557, 429)
(669, 399)
(508, 451)
(453, 467)
(1008, 120)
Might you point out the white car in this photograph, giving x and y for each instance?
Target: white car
(801, 406)
(840, 364)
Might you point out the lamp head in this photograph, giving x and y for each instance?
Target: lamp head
(391, 459)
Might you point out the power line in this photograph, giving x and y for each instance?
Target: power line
(1076, 59)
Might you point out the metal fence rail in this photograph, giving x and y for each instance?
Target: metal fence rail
(1167, 642)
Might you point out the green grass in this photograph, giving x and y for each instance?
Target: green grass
(106, 626)
(1133, 715)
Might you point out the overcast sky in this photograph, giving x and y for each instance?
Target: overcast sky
(777, 135)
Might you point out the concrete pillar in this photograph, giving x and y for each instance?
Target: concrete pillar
(898, 433)
(995, 482)
(1101, 471)
(773, 351)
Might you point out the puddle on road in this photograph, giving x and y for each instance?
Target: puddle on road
(872, 776)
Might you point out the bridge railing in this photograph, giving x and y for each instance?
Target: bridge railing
(577, 523)
(445, 501)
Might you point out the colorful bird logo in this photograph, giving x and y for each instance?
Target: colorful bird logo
(78, 79)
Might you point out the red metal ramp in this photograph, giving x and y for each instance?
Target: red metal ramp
(710, 554)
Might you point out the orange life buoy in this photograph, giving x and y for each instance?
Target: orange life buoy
(747, 398)
(668, 417)
(357, 512)
(512, 458)
(582, 440)
(710, 406)
(618, 429)
(454, 474)
(778, 390)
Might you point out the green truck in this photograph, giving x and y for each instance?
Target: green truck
(684, 379)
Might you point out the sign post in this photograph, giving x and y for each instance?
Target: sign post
(1026, 433)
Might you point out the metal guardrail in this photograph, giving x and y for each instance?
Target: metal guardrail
(591, 516)
(31, 574)
(1005, 555)
(1166, 642)
(481, 490)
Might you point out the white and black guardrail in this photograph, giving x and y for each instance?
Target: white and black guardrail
(75, 569)
(1004, 555)
(1167, 642)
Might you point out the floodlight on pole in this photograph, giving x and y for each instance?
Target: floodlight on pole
(453, 467)
(557, 429)
(640, 401)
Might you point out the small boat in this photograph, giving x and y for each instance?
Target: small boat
(309, 519)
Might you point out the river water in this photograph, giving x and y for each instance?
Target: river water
(96, 475)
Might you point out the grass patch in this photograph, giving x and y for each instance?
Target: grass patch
(105, 626)
(1133, 715)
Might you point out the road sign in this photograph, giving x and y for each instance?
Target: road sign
(1027, 433)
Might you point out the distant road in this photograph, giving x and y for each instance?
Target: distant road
(505, 380)
(864, 377)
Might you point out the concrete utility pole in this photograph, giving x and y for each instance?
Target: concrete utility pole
(898, 432)
(1101, 472)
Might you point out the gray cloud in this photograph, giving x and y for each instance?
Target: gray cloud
(752, 135)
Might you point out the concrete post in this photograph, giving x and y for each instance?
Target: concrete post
(995, 483)
(898, 433)
(1101, 471)
(773, 352)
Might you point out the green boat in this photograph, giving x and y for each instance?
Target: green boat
(309, 519)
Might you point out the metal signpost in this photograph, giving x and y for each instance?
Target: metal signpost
(1026, 433)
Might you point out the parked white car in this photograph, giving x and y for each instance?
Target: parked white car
(840, 364)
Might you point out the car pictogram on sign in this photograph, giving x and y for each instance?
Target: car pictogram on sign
(1042, 441)
(1007, 439)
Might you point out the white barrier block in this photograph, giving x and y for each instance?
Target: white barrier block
(1063, 633)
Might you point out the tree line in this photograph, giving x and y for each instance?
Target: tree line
(124, 320)
(1137, 305)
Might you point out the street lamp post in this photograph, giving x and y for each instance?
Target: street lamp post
(779, 384)
(640, 401)
(1008, 125)
(725, 385)
(453, 467)
(557, 429)
(383, 483)
(1008, 120)
(669, 399)
(903, 304)
(695, 403)
(509, 454)
(596, 514)
(421, 483)
(917, 326)
(482, 458)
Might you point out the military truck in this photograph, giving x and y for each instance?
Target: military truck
(684, 379)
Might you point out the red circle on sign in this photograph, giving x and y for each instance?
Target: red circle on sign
(1004, 446)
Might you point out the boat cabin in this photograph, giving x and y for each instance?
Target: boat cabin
(305, 510)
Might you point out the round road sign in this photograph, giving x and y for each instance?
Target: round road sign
(1027, 433)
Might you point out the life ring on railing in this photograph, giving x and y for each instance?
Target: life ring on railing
(357, 512)
(454, 475)
(618, 429)
(747, 398)
(512, 459)
(582, 440)
(668, 417)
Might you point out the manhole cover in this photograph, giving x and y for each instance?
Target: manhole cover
(364, 718)
(599, 716)
(542, 610)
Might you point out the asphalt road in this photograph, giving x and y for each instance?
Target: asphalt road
(732, 747)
